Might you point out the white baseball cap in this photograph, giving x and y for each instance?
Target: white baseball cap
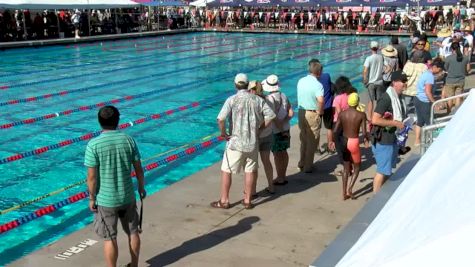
(241, 78)
(374, 44)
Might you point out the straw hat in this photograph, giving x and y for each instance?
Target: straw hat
(445, 32)
(468, 28)
(389, 51)
(271, 84)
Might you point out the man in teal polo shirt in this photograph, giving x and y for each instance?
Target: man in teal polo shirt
(310, 101)
(109, 159)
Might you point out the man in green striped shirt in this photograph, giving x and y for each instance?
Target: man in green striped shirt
(109, 159)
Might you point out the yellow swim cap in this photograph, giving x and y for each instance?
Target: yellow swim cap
(353, 100)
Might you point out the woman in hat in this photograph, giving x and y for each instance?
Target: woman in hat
(390, 63)
(279, 102)
(265, 143)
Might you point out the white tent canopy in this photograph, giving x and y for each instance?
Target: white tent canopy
(200, 3)
(430, 218)
(65, 4)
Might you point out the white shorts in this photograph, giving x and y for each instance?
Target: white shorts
(234, 161)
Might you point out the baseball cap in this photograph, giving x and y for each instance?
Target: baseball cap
(399, 76)
(374, 44)
(241, 78)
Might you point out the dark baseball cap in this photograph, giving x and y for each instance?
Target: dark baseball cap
(399, 75)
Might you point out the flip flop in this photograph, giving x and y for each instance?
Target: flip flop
(270, 192)
(281, 183)
(219, 205)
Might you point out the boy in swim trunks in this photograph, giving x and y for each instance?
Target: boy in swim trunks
(349, 122)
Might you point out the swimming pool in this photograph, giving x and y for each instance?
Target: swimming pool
(50, 97)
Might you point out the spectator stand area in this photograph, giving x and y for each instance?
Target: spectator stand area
(45, 19)
(349, 15)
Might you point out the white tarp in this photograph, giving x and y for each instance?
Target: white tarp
(430, 219)
(65, 4)
(201, 3)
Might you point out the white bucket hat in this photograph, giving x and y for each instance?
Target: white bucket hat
(271, 84)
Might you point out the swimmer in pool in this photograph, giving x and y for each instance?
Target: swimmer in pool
(348, 125)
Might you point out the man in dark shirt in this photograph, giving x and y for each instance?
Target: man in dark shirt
(387, 118)
(325, 79)
(401, 51)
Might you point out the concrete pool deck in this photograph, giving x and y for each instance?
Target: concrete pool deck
(289, 228)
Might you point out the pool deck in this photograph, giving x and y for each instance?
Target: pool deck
(291, 228)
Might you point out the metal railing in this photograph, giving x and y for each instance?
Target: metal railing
(437, 124)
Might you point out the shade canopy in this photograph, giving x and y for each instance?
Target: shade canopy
(160, 2)
(65, 4)
(325, 3)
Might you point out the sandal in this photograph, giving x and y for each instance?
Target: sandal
(219, 205)
(269, 192)
(281, 183)
(247, 206)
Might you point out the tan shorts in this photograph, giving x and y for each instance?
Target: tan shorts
(234, 161)
(105, 220)
(453, 89)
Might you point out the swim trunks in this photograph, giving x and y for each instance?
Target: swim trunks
(351, 149)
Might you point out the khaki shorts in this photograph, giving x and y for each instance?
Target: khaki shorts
(234, 161)
(453, 89)
(105, 220)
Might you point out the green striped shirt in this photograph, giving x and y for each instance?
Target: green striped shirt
(112, 153)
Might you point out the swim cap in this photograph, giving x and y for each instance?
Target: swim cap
(353, 100)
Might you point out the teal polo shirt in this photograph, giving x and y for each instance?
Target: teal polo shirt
(308, 89)
(113, 153)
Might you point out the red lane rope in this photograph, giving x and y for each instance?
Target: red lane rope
(79, 196)
(90, 135)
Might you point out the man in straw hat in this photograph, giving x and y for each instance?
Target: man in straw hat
(347, 129)
(468, 36)
(281, 106)
(444, 41)
(246, 113)
(390, 63)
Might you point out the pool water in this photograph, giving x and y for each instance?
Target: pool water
(158, 73)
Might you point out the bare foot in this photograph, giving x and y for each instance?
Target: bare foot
(345, 197)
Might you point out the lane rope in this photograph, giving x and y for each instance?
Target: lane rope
(82, 195)
(154, 76)
(53, 193)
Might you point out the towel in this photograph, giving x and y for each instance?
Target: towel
(395, 103)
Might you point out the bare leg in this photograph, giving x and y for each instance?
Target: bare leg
(226, 185)
(378, 182)
(134, 248)
(249, 181)
(111, 252)
(281, 160)
(346, 173)
(370, 109)
(265, 158)
(354, 177)
(418, 136)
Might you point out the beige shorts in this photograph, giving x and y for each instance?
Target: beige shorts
(234, 161)
(453, 89)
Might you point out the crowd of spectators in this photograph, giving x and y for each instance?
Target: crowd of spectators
(329, 19)
(59, 24)
(18, 25)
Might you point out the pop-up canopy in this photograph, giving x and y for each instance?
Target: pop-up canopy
(65, 4)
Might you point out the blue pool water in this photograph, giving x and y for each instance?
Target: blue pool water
(171, 71)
